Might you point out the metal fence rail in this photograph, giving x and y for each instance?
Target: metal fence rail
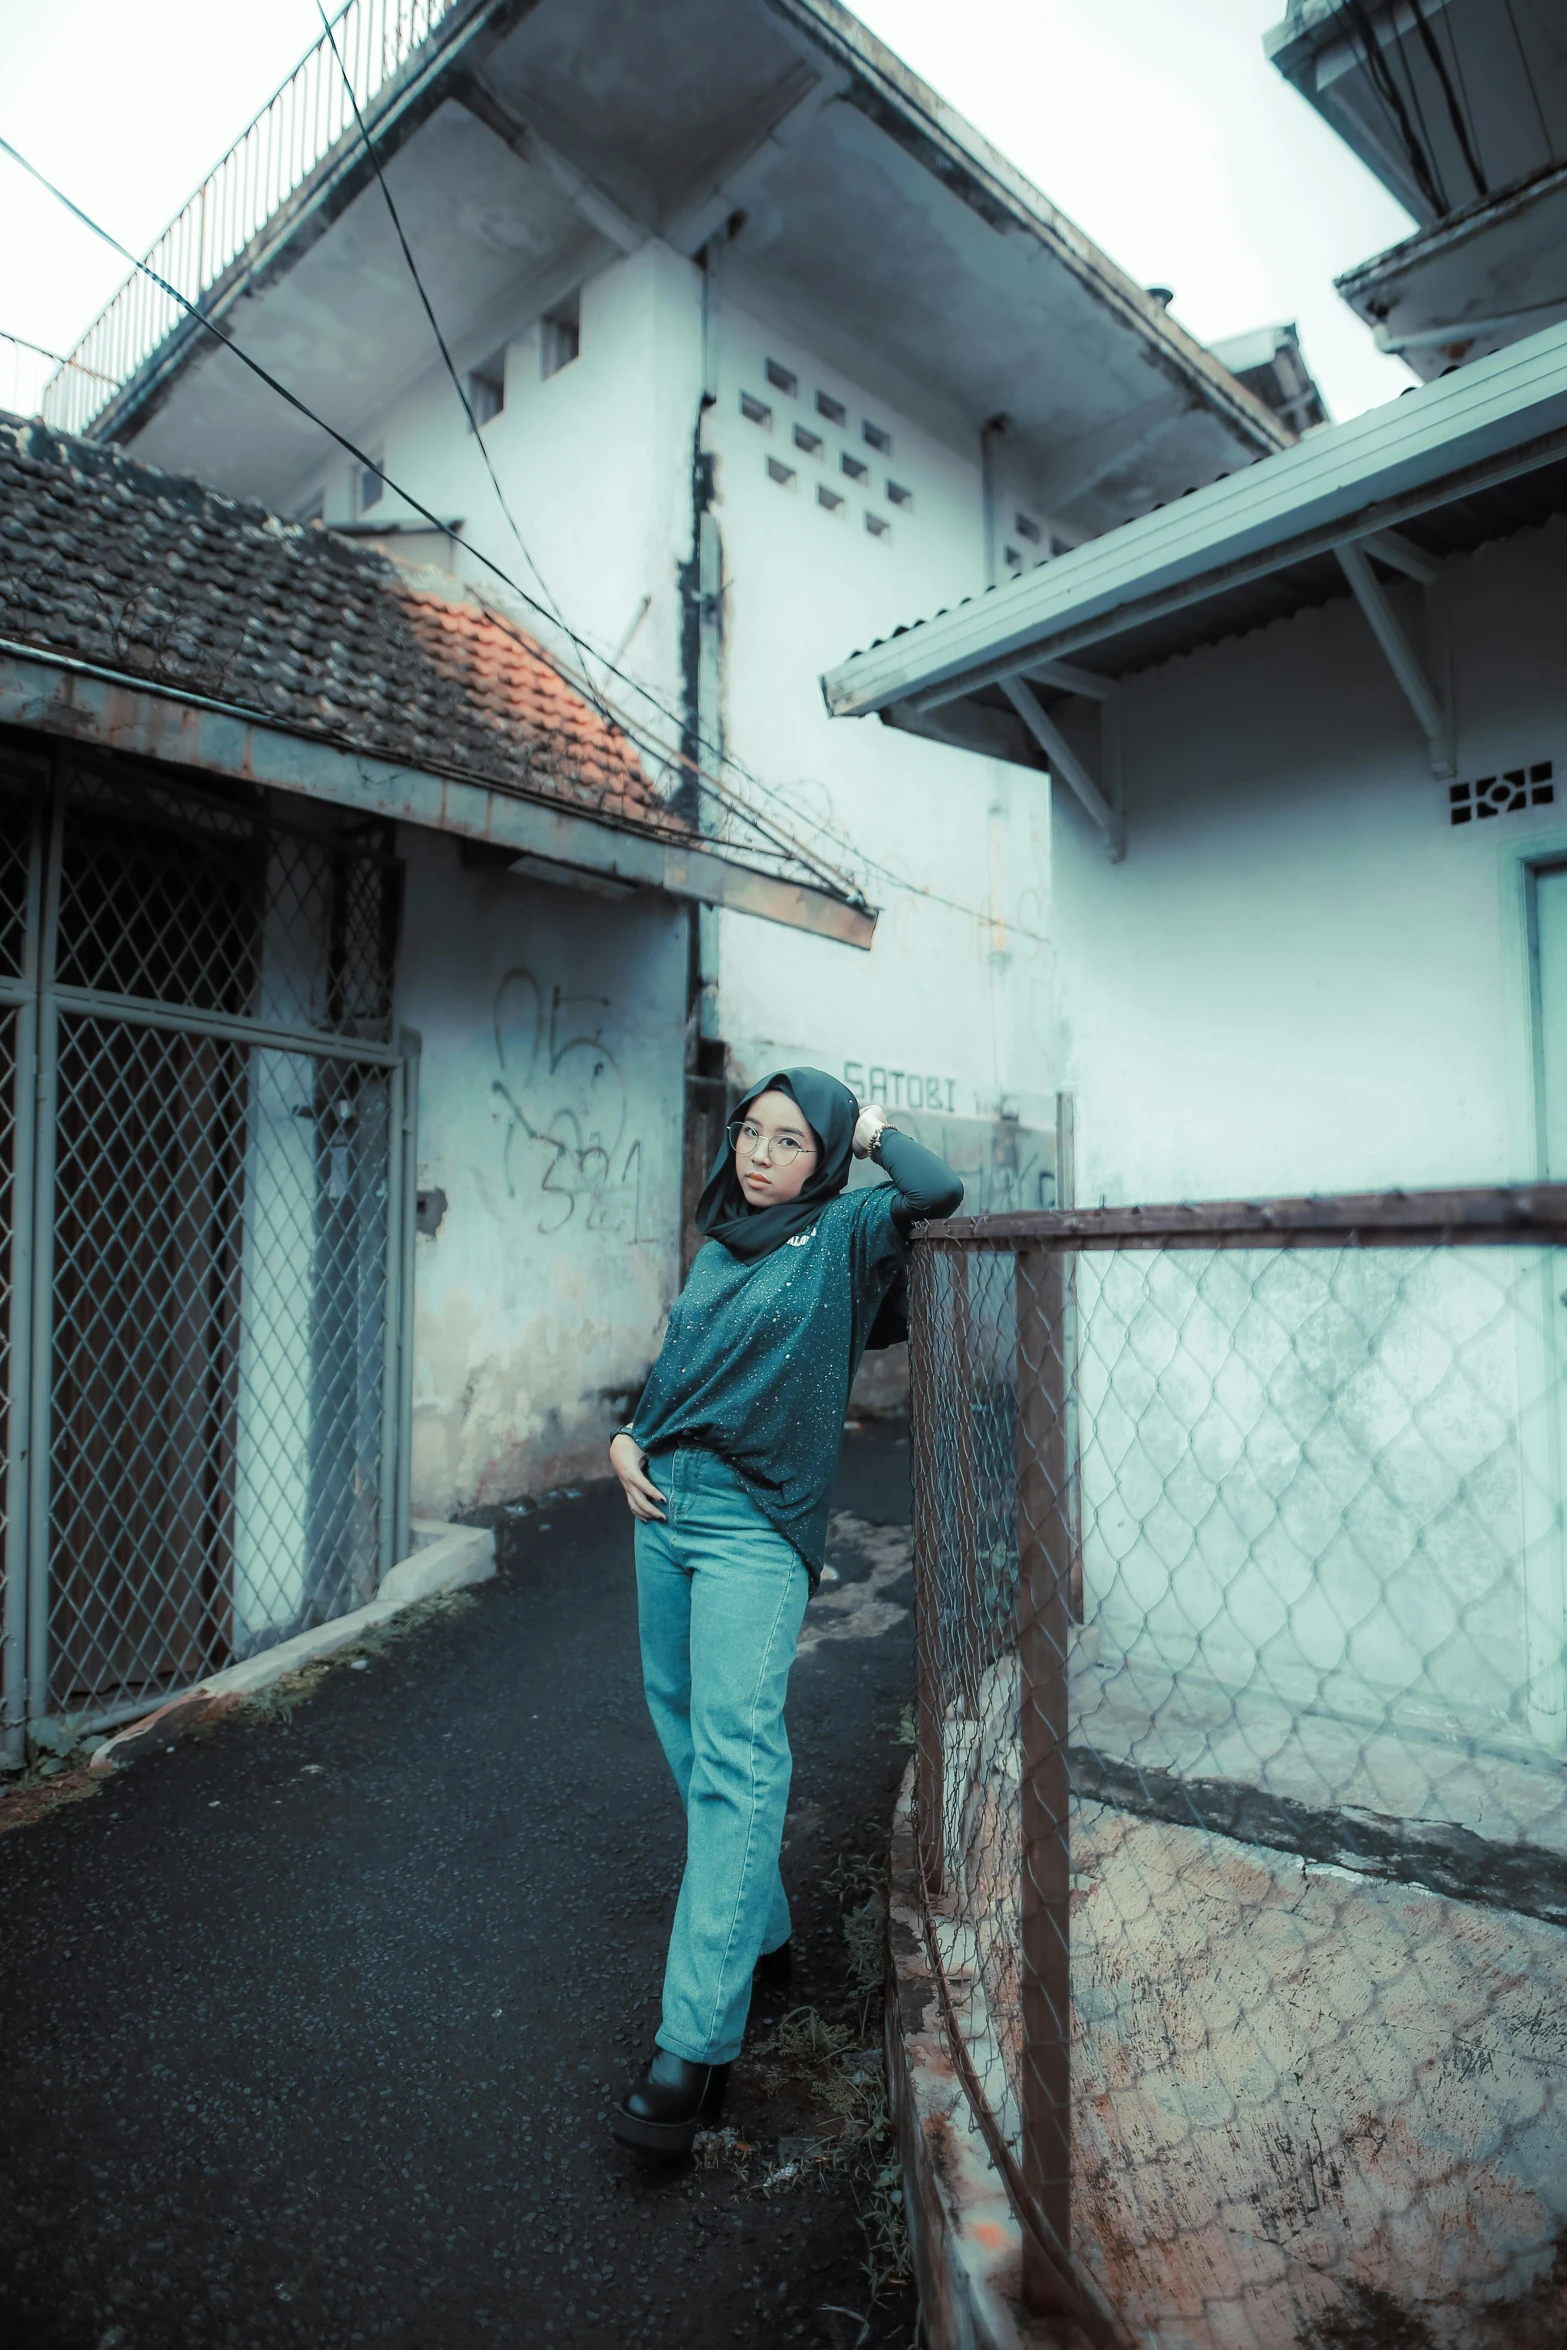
(1241, 1590)
(297, 128)
(202, 1227)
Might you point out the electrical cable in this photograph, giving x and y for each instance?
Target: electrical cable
(1456, 55)
(1528, 75)
(781, 843)
(1384, 87)
(435, 328)
(579, 645)
(22, 344)
(577, 641)
(1396, 52)
(1460, 128)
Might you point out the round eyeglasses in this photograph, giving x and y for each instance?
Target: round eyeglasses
(785, 1148)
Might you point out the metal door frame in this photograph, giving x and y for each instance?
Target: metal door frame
(37, 1001)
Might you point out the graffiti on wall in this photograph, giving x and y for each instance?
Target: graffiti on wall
(1005, 1165)
(566, 1108)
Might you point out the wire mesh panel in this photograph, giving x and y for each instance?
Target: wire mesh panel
(1242, 1601)
(196, 1318)
(22, 779)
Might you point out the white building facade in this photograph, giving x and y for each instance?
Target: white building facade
(765, 352)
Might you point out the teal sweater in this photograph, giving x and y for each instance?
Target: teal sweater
(759, 1356)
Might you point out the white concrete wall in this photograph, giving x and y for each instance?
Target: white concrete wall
(949, 1017)
(953, 1005)
(1303, 978)
(1330, 1481)
(594, 463)
(526, 1312)
(552, 1026)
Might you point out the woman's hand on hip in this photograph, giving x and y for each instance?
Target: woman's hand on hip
(629, 1463)
(869, 1125)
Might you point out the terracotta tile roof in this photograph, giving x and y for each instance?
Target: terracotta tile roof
(136, 570)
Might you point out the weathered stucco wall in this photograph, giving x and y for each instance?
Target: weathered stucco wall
(549, 1116)
(1325, 1481)
(1303, 978)
(949, 1019)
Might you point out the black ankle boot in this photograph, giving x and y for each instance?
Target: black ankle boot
(774, 1970)
(663, 2112)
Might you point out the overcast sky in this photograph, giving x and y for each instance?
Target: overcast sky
(1156, 124)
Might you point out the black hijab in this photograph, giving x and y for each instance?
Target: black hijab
(831, 1112)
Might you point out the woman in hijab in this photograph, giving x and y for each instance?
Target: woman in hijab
(727, 1468)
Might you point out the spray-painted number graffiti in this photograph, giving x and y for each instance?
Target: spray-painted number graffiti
(566, 1111)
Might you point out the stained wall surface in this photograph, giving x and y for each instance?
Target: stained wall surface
(552, 1033)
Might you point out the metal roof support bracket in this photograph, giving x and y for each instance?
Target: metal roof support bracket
(1065, 762)
(1433, 710)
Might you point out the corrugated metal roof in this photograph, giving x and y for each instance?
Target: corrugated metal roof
(1474, 456)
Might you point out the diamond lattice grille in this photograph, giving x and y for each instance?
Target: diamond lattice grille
(224, 906)
(213, 1180)
(219, 1331)
(1242, 1590)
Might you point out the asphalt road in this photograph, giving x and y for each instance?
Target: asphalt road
(308, 2034)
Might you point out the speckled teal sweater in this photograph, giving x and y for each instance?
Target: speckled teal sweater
(759, 1356)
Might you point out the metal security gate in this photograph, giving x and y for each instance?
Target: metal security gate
(205, 1146)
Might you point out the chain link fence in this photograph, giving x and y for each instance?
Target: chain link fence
(1241, 1595)
(204, 1135)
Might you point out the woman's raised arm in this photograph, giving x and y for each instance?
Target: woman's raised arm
(926, 1183)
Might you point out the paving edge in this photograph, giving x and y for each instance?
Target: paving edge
(444, 1558)
(967, 2245)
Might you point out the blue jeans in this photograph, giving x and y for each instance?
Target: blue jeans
(720, 1599)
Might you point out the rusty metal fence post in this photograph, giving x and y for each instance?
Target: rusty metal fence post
(1044, 1538)
(928, 1709)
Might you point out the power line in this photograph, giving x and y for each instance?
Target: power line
(1379, 75)
(672, 718)
(782, 844)
(435, 327)
(1439, 68)
(1528, 75)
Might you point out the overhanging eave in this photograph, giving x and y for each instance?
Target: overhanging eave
(84, 704)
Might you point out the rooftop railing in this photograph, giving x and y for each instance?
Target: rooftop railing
(270, 162)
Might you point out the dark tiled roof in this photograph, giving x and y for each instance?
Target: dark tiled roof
(114, 562)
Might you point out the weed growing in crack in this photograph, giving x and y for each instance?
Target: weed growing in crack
(284, 1696)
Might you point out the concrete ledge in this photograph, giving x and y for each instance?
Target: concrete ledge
(444, 1558)
(968, 2247)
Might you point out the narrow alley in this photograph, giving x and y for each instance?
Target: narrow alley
(309, 2031)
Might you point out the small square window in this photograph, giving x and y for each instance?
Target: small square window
(1058, 546)
(897, 495)
(1027, 528)
(1013, 557)
(560, 337)
(853, 467)
(876, 438)
(781, 473)
(878, 526)
(756, 411)
(810, 442)
(372, 485)
(834, 410)
(487, 389)
(782, 379)
(831, 499)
